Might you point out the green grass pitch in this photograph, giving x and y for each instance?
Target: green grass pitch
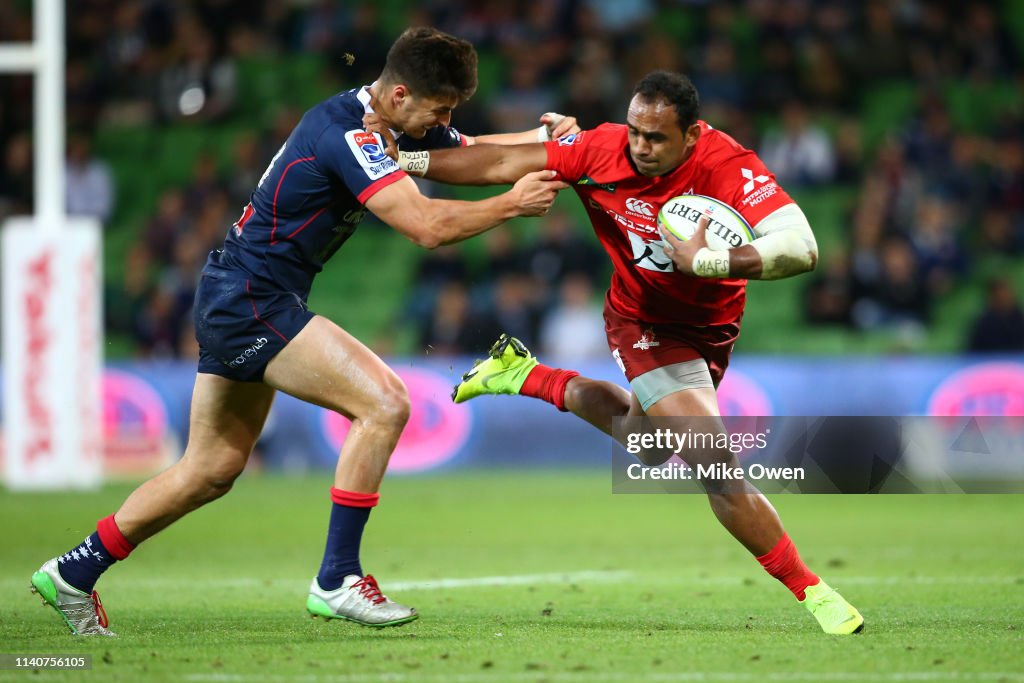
(541, 576)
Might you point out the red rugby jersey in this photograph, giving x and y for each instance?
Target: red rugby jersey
(623, 208)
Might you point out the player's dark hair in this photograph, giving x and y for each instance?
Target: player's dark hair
(432, 64)
(675, 89)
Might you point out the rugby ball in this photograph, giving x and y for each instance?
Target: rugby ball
(727, 228)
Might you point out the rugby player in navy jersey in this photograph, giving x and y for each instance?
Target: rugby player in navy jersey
(257, 336)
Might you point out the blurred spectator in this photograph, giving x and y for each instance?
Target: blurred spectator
(931, 58)
(849, 145)
(928, 137)
(363, 41)
(777, 74)
(937, 245)
(1006, 181)
(451, 329)
(542, 32)
(84, 95)
(197, 83)
(247, 168)
(948, 180)
(717, 78)
(898, 299)
(800, 153)
(661, 51)
(89, 188)
(1000, 327)
(163, 230)
(442, 266)
(560, 249)
(828, 299)
(622, 17)
(591, 91)
(157, 325)
(16, 176)
(825, 80)
(998, 233)
(283, 121)
(205, 182)
(515, 309)
(573, 331)
(437, 270)
(502, 256)
(883, 46)
(987, 49)
(523, 99)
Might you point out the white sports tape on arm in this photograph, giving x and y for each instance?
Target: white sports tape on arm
(786, 243)
(544, 132)
(711, 263)
(414, 163)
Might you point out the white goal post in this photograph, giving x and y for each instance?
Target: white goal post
(52, 306)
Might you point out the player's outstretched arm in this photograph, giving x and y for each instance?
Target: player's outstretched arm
(552, 126)
(432, 223)
(476, 165)
(785, 247)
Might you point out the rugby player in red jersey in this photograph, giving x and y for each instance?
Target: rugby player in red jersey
(257, 336)
(682, 296)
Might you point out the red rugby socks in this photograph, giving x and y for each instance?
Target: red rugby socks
(112, 538)
(548, 384)
(784, 563)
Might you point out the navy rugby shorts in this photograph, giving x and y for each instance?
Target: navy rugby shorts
(241, 324)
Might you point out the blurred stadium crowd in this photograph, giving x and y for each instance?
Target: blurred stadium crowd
(795, 80)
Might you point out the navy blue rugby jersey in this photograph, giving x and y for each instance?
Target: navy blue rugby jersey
(310, 199)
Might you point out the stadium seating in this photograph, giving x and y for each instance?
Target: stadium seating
(348, 292)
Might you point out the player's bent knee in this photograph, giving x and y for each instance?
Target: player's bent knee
(384, 406)
(393, 405)
(207, 479)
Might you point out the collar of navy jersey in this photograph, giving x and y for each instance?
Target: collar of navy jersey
(364, 98)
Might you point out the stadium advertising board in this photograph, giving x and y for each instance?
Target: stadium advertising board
(145, 415)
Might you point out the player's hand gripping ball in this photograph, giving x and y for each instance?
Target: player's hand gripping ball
(726, 228)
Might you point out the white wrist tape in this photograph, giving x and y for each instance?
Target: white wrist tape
(711, 263)
(414, 163)
(545, 131)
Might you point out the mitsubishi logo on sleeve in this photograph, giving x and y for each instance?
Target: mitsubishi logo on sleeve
(748, 186)
(634, 205)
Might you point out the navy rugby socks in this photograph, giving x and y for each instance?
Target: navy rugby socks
(349, 513)
(82, 566)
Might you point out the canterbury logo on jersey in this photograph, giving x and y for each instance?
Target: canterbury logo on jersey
(639, 206)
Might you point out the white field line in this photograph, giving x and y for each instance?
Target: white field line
(514, 580)
(587, 576)
(613, 676)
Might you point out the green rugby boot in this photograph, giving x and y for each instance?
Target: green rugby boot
(83, 613)
(835, 614)
(504, 372)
